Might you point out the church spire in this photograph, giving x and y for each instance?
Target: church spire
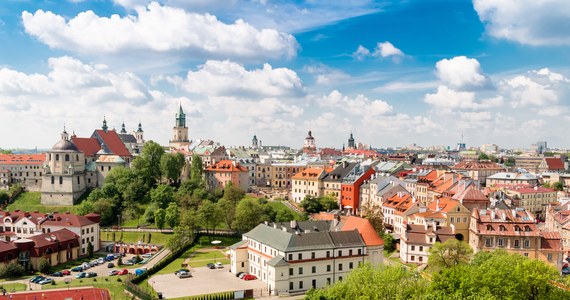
(140, 127)
(104, 127)
(123, 130)
(181, 118)
(64, 135)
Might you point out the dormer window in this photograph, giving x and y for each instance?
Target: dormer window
(527, 228)
(502, 228)
(489, 228)
(517, 228)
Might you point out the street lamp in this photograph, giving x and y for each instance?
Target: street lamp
(215, 243)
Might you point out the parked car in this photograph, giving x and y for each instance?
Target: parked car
(66, 272)
(139, 272)
(57, 274)
(110, 257)
(181, 270)
(146, 255)
(91, 274)
(100, 261)
(128, 262)
(239, 274)
(242, 275)
(85, 266)
(248, 277)
(113, 272)
(81, 275)
(110, 265)
(211, 266)
(36, 278)
(184, 274)
(123, 272)
(219, 265)
(77, 269)
(45, 281)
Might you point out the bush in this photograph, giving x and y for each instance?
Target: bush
(3, 271)
(119, 279)
(120, 261)
(43, 265)
(53, 282)
(15, 269)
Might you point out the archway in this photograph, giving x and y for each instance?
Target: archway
(459, 236)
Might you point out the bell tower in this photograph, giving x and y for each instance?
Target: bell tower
(180, 131)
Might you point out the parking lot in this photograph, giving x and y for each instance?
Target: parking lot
(203, 281)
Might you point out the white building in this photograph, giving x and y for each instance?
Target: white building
(294, 256)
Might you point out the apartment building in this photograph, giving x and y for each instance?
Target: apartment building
(25, 169)
(478, 170)
(293, 257)
(535, 199)
(512, 178)
(218, 175)
(307, 182)
(417, 240)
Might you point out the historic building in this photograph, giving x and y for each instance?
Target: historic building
(223, 172)
(180, 131)
(309, 146)
(25, 169)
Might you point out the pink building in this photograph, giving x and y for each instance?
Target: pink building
(224, 171)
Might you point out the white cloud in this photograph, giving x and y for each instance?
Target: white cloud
(449, 99)
(158, 29)
(359, 105)
(386, 49)
(225, 78)
(461, 72)
(405, 86)
(524, 91)
(492, 102)
(552, 111)
(361, 52)
(528, 22)
(325, 75)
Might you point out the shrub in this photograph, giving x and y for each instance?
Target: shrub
(119, 279)
(43, 265)
(15, 269)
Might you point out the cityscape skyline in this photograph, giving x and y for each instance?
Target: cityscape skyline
(393, 73)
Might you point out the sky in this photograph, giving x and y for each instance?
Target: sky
(393, 73)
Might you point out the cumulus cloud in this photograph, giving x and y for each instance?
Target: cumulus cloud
(325, 75)
(525, 91)
(461, 72)
(449, 99)
(158, 29)
(384, 50)
(528, 22)
(359, 105)
(226, 78)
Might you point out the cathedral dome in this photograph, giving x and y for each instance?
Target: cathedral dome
(64, 145)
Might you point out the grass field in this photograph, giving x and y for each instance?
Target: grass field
(116, 288)
(157, 238)
(30, 201)
(14, 286)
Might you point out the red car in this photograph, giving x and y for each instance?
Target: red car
(123, 272)
(249, 277)
(66, 272)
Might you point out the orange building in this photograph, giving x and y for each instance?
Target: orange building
(350, 187)
(220, 174)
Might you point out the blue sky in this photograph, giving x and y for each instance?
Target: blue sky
(392, 72)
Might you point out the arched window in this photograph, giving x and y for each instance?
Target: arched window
(77, 157)
(57, 157)
(67, 157)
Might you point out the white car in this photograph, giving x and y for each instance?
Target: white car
(184, 274)
(219, 265)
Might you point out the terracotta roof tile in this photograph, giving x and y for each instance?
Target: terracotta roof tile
(226, 166)
(22, 159)
(554, 163)
(89, 146)
(113, 142)
(365, 229)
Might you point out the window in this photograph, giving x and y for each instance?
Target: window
(328, 280)
(328, 254)
(290, 256)
(328, 268)
(313, 269)
(526, 254)
(290, 271)
(412, 258)
(67, 157)
(300, 285)
(290, 285)
(350, 265)
(52, 180)
(60, 180)
(413, 248)
(340, 267)
(359, 251)
(313, 255)
(340, 278)
(300, 256)
(300, 270)
(421, 248)
(502, 228)
(452, 220)
(421, 258)
(465, 220)
(350, 252)
(517, 244)
(340, 253)
(501, 242)
(526, 243)
(488, 242)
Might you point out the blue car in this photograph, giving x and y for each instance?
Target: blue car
(81, 275)
(77, 269)
(36, 278)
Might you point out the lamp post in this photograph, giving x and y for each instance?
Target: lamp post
(215, 243)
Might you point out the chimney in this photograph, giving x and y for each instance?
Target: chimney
(504, 215)
(293, 224)
(426, 226)
(492, 214)
(434, 226)
(437, 208)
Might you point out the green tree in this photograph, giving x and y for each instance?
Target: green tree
(328, 203)
(172, 216)
(106, 209)
(559, 186)
(196, 168)
(160, 218)
(311, 204)
(373, 213)
(90, 250)
(4, 151)
(185, 231)
(483, 156)
(209, 215)
(510, 161)
(162, 195)
(147, 164)
(451, 253)
(15, 189)
(43, 265)
(15, 269)
(4, 197)
(284, 215)
(388, 242)
(171, 165)
(249, 214)
(232, 196)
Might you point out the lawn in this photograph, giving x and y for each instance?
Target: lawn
(157, 238)
(30, 201)
(278, 206)
(14, 287)
(116, 288)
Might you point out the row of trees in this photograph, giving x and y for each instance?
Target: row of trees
(457, 274)
(312, 204)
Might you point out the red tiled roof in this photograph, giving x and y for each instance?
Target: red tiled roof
(113, 142)
(49, 238)
(65, 219)
(529, 190)
(475, 165)
(227, 166)
(22, 159)
(554, 163)
(89, 146)
(7, 246)
(550, 241)
(310, 173)
(15, 215)
(365, 229)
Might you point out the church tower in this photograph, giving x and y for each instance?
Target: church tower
(180, 131)
(104, 127)
(123, 130)
(309, 145)
(254, 143)
(351, 144)
(139, 135)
